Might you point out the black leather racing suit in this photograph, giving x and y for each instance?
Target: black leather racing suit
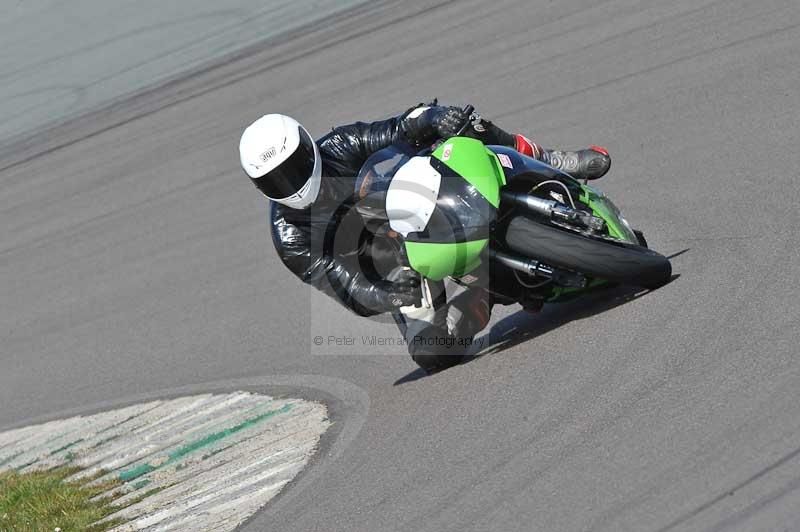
(312, 243)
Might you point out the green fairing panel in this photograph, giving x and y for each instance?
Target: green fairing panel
(561, 293)
(604, 208)
(437, 261)
(479, 167)
(470, 159)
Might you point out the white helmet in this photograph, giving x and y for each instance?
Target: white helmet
(282, 160)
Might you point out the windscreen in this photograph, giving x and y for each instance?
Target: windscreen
(374, 179)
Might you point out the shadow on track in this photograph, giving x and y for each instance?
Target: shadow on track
(523, 326)
(678, 254)
(415, 375)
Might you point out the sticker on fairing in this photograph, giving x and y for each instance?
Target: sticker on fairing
(448, 151)
(505, 160)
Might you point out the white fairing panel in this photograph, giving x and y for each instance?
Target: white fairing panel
(412, 194)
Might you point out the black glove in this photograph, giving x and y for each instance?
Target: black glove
(400, 289)
(435, 123)
(447, 121)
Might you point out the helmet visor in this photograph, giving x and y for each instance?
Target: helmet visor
(292, 174)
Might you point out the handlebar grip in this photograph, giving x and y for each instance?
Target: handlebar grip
(468, 110)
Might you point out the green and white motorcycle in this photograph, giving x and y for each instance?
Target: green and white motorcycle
(466, 210)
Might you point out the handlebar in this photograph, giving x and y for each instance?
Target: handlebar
(468, 110)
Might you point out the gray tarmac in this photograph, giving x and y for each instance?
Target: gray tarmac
(135, 261)
(59, 60)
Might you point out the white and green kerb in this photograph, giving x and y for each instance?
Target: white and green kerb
(195, 463)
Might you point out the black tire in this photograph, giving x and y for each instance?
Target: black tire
(620, 263)
(432, 363)
(435, 358)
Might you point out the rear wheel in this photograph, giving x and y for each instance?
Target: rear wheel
(613, 261)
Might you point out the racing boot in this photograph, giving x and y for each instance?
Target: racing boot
(591, 163)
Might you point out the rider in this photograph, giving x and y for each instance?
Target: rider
(311, 184)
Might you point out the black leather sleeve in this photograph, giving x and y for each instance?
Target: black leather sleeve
(346, 148)
(308, 244)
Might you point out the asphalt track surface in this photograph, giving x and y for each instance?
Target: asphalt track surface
(136, 262)
(59, 60)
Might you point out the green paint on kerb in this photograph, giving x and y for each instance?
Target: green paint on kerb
(196, 445)
(211, 438)
(118, 424)
(12, 457)
(15, 455)
(137, 471)
(437, 261)
(142, 483)
(102, 442)
(65, 447)
(23, 466)
(214, 452)
(470, 159)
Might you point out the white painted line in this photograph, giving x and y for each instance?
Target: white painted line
(204, 462)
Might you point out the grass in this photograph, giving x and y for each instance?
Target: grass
(42, 501)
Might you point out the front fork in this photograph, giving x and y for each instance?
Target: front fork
(534, 268)
(559, 214)
(554, 211)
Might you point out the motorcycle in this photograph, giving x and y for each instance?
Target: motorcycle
(545, 236)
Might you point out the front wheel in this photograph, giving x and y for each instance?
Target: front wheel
(438, 350)
(432, 362)
(616, 262)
